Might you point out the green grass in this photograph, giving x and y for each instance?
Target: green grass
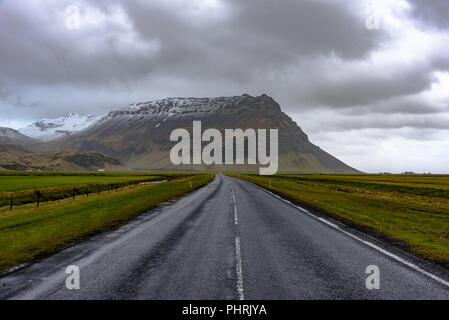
(410, 211)
(20, 183)
(53, 186)
(29, 232)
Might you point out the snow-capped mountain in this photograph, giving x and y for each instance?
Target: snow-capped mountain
(50, 129)
(170, 107)
(138, 135)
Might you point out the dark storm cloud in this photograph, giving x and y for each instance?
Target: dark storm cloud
(276, 47)
(431, 12)
(389, 122)
(4, 93)
(412, 105)
(41, 51)
(316, 57)
(307, 27)
(367, 88)
(258, 35)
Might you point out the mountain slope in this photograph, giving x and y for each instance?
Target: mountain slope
(13, 157)
(11, 136)
(51, 129)
(138, 135)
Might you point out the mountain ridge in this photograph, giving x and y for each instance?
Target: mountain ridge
(138, 134)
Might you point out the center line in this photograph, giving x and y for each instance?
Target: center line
(236, 217)
(238, 257)
(238, 254)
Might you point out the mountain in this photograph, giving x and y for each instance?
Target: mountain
(138, 135)
(51, 129)
(13, 157)
(11, 136)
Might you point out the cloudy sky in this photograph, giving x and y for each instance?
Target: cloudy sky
(367, 80)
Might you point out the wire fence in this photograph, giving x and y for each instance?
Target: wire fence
(39, 196)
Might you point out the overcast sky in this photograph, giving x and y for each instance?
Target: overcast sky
(367, 80)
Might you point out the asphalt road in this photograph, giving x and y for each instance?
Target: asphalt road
(228, 240)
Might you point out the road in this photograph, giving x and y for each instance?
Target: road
(228, 240)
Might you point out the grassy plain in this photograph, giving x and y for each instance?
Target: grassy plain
(29, 232)
(27, 181)
(410, 211)
(53, 186)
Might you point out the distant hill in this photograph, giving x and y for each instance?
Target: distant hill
(11, 136)
(13, 157)
(138, 135)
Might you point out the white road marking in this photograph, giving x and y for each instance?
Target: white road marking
(238, 257)
(236, 215)
(58, 277)
(367, 243)
(238, 254)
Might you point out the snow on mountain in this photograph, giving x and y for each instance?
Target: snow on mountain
(170, 107)
(50, 129)
(138, 134)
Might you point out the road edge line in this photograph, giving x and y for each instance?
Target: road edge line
(365, 242)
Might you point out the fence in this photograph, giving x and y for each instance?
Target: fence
(39, 196)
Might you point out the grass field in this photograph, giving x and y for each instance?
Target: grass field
(410, 211)
(29, 232)
(12, 183)
(55, 186)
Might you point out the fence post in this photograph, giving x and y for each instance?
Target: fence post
(38, 194)
(87, 192)
(10, 205)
